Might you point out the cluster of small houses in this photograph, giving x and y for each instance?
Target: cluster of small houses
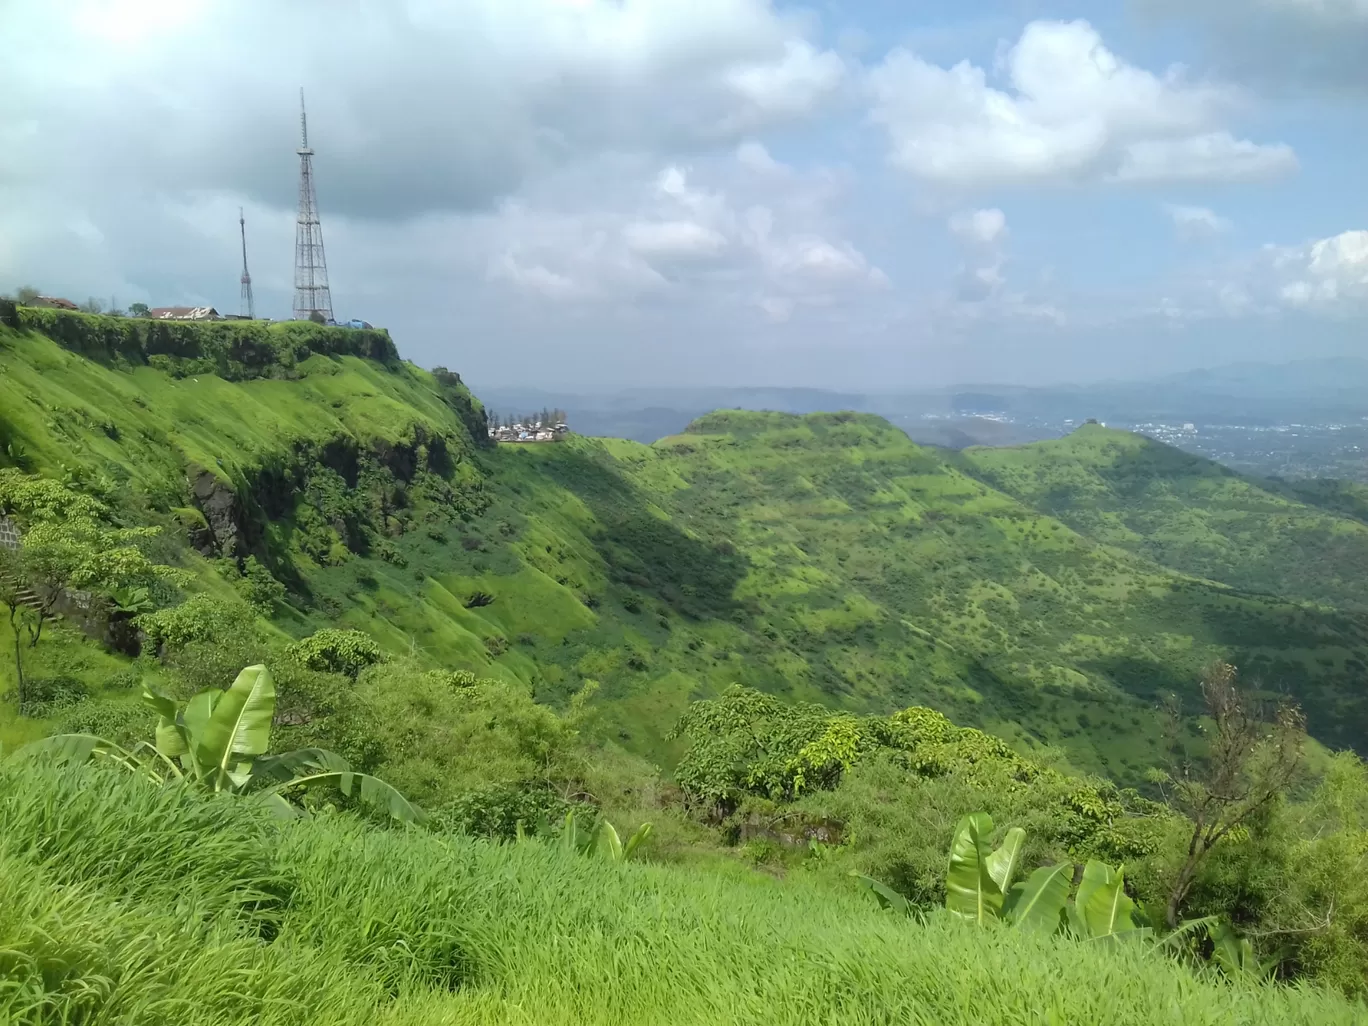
(179, 313)
(548, 426)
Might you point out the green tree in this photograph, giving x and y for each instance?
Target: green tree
(91, 306)
(200, 618)
(259, 588)
(220, 740)
(331, 650)
(15, 596)
(69, 555)
(138, 310)
(25, 294)
(1249, 761)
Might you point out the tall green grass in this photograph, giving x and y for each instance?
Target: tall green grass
(127, 903)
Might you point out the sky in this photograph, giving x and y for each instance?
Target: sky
(585, 195)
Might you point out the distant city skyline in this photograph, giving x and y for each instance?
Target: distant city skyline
(591, 194)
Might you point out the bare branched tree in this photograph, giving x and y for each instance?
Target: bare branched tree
(1251, 758)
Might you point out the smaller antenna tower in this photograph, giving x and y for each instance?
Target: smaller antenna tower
(247, 307)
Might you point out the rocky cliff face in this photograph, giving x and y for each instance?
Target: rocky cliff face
(215, 498)
(336, 498)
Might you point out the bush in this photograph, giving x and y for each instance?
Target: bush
(439, 735)
(45, 696)
(336, 651)
(123, 722)
(200, 618)
(259, 588)
(496, 811)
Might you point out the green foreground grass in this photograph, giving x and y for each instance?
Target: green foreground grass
(123, 902)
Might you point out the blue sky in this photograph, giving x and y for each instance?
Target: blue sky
(600, 193)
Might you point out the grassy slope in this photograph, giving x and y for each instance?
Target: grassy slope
(122, 902)
(824, 558)
(831, 559)
(1191, 514)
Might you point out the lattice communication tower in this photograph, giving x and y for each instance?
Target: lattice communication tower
(247, 307)
(312, 297)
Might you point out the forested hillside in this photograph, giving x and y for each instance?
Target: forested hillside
(1302, 540)
(823, 558)
(798, 644)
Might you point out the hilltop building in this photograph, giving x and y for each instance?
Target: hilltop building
(53, 303)
(548, 426)
(184, 313)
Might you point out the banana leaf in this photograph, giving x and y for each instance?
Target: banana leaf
(969, 889)
(886, 896)
(308, 765)
(639, 837)
(1038, 902)
(240, 723)
(607, 842)
(1004, 863)
(171, 736)
(1235, 954)
(194, 719)
(77, 749)
(1101, 908)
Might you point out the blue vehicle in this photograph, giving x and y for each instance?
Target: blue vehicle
(356, 322)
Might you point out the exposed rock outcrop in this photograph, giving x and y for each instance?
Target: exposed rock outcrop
(222, 511)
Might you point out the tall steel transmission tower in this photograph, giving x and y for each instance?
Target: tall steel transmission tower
(312, 297)
(247, 307)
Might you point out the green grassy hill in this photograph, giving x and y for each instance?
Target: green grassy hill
(1304, 540)
(822, 558)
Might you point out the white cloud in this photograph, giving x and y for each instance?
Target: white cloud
(983, 236)
(1327, 274)
(980, 226)
(534, 278)
(753, 155)
(789, 87)
(414, 105)
(1196, 222)
(1074, 111)
(673, 239)
(1325, 279)
(668, 235)
(776, 308)
(1211, 157)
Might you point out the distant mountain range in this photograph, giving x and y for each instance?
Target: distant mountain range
(969, 414)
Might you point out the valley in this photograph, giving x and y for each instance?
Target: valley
(801, 642)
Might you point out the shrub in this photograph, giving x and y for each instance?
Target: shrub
(336, 651)
(200, 618)
(496, 811)
(259, 588)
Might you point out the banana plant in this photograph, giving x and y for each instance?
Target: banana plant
(1101, 908)
(1236, 956)
(981, 884)
(609, 844)
(219, 740)
(977, 880)
(1037, 903)
(601, 839)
